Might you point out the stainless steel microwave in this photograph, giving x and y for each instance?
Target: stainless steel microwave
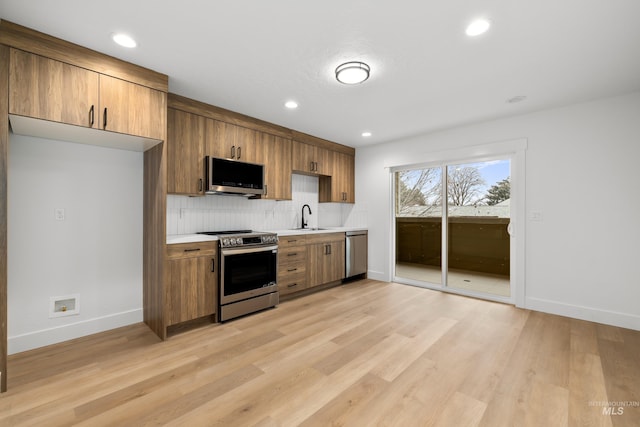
(224, 176)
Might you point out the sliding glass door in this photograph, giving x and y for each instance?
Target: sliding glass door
(452, 227)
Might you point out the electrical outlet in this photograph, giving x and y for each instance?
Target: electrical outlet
(58, 214)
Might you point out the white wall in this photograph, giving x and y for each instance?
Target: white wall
(582, 174)
(95, 252)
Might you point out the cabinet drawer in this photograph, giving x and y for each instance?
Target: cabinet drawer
(292, 269)
(286, 241)
(291, 254)
(187, 250)
(292, 283)
(325, 238)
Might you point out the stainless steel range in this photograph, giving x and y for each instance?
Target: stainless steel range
(248, 271)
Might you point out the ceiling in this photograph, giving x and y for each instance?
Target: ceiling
(426, 74)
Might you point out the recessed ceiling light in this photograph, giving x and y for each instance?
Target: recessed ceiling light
(477, 27)
(366, 134)
(291, 105)
(124, 40)
(515, 99)
(351, 73)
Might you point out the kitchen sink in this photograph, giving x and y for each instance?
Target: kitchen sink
(308, 228)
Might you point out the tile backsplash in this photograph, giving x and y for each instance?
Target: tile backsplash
(192, 214)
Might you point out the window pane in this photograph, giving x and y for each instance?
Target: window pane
(478, 241)
(419, 224)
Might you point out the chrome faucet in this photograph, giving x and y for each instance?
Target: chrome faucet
(304, 223)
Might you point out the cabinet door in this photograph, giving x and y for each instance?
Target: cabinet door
(185, 152)
(310, 159)
(132, 109)
(190, 289)
(325, 263)
(342, 178)
(222, 139)
(229, 141)
(302, 157)
(277, 167)
(322, 159)
(51, 90)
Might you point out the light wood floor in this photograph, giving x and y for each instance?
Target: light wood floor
(363, 354)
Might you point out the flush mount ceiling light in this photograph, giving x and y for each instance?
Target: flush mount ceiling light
(351, 73)
(366, 134)
(123, 40)
(292, 105)
(477, 27)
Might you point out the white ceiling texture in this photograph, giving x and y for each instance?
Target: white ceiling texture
(251, 56)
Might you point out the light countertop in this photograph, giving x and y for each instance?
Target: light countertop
(193, 238)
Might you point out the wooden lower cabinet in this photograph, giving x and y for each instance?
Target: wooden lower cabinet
(325, 258)
(307, 261)
(191, 281)
(292, 264)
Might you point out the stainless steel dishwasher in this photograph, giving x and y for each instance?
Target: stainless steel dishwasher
(355, 253)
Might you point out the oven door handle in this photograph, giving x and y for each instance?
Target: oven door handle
(240, 251)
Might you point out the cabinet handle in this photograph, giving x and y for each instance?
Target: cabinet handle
(213, 265)
(239, 152)
(233, 151)
(311, 166)
(292, 285)
(91, 116)
(292, 254)
(292, 269)
(266, 190)
(291, 241)
(192, 250)
(200, 184)
(328, 249)
(104, 119)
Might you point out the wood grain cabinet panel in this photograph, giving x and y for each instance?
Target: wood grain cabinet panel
(185, 152)
(229, 141)
(340, 186)
(51, 90)
(325, 258)
(292, 264)
(47, 89)
(132, 109)
(310, 159)
(277, 167)
(191, 282)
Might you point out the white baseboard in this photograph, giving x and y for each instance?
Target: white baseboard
(377, 275)
(36, 339)
(623, 320)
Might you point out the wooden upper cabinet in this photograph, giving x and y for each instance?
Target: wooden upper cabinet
(230, 141)
(51, 90)
(277, 166)
(131, 108)
(185, 152)
(340, 186)
(310, 159)
(47, 89)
